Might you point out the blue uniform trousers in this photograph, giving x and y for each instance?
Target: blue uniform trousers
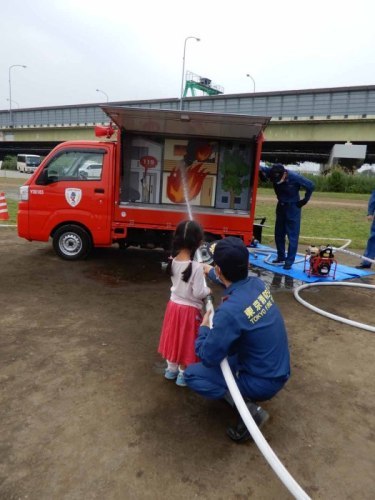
(370, 249)
(209, 382)
(288, 222)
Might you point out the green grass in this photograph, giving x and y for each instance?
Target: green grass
(322, 222)
(324, 195)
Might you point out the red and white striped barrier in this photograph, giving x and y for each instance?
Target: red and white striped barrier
(4, 214)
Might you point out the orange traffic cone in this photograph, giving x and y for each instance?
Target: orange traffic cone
(4, 215)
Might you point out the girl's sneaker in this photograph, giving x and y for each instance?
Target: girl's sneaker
(168, 374)
(180, 381)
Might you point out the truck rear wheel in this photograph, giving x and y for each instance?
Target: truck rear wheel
(72, 242)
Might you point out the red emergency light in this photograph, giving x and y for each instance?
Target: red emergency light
(101, 131)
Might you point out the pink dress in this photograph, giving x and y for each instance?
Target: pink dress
(183, 314)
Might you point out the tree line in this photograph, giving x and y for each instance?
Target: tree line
(339, 181)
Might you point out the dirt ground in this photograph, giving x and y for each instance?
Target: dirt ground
(85, 412)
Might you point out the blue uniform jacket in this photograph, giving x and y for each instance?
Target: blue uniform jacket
(371, 204)
(248, 324)
(288, 191)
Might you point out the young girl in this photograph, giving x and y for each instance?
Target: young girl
(183, 314)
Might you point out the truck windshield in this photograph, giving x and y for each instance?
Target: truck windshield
(73, 165)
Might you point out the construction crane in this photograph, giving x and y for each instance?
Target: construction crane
(199, 83)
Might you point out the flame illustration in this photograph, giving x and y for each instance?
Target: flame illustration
(195, 176)
(204, 152)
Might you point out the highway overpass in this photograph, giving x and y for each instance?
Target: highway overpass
(305, 124)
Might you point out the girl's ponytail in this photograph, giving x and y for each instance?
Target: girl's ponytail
(168, 269)
(187, 272)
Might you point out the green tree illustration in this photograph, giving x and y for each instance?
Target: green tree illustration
(233, 170)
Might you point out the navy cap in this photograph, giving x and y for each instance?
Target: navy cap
(232, 256)
(277, 171)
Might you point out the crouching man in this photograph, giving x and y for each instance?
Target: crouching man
(248, 329)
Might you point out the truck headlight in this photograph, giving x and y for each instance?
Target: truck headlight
(24, 193)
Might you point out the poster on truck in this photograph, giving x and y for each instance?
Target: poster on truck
(233, 189)
(216, 173)
(142, 170)
(196, 160)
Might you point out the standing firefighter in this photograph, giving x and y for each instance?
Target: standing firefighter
(288, 210)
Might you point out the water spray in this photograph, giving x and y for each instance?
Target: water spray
(272, 459)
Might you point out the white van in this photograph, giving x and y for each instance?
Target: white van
(28, 163)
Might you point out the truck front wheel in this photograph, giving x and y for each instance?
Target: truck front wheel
(72, 242)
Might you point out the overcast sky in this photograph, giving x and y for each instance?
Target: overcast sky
(133, 49)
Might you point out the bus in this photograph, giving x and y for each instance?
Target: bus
(28, 163)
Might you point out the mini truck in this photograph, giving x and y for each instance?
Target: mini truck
(132, 190)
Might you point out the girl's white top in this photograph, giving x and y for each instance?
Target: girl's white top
(194, 291)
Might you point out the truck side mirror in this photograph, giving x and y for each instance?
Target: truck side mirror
(47, 177)
(51, 177)
(41, 180)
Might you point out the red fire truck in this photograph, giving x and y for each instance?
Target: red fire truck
(132, 191)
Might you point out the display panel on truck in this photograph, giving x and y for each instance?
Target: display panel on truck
(133, 191)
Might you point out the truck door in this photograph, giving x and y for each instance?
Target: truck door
(74, 187)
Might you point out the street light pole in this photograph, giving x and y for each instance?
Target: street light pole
(102, 91)
(183, 67)
(252, 80)
(10, 91)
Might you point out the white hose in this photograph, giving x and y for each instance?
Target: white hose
(290, 483)
(278, 264)
(330, 283)
(335, 249)
(347, 241)
(341, 249)
(272, 252)
(262, 444)
(330, 315)
(294, 488)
